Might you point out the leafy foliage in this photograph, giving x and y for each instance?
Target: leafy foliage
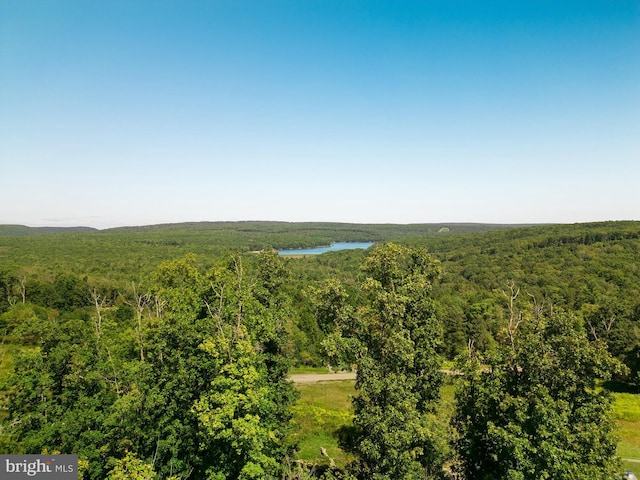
(158, 344)
(190, 380)
(536, 413)
(131, 468)
(393, 339)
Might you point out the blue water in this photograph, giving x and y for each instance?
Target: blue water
(334, 247)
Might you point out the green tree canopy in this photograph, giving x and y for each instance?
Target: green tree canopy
(393, 339)
(536, 411)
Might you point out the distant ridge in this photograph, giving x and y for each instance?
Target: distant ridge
(282, 227)
(22, 230)
(374, 231)
(139, 249)
(355, 231)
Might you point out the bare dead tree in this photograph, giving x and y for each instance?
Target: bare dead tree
(159, 303)
(593, 330)
(607, 325)
(538, 307)
(140, 304)
(22, 281)
(216, 313)
(470, 348)
(99, 302)
(515, 318)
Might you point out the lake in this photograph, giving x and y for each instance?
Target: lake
(334, 247)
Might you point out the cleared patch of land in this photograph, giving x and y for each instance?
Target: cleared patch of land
(322, 377)
(324, 409)
(626, 410)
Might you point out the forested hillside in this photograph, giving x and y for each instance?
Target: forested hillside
(589, 269)
(128, 251)
(168, 346)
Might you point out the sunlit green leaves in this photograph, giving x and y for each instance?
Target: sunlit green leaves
(391, 337)
(536, 413)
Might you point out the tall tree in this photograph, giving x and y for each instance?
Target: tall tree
(536, 411)
(245, 411)
(189, 381)
(59, 396)
(165, 372)
(393, 339)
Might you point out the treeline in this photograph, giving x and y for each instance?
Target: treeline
(592, 270)
(123, 253)
(184, 376)
(177, 366)
(589, 269)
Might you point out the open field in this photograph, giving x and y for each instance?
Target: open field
(324, 407)
(627, 414)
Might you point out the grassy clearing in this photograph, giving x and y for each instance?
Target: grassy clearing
(325, 407)
(7, 352)
(301, 370)
(627, 414)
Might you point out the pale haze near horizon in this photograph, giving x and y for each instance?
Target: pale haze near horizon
(144, 112)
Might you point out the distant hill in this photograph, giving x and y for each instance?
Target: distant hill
(379, 230)
(353, 231)
(21, 230)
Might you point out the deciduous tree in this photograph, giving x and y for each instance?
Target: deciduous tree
(535, 412)
(393, 339)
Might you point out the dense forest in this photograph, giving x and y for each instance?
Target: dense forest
(164, 351)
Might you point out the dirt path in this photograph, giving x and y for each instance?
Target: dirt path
(328, 377)
(322, 377)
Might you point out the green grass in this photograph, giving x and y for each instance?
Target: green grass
(626, 410)
(7, 351)
(300, 370)
(325, 407)
(322, 410)
(634, 467)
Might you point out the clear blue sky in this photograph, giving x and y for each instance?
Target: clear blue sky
(126, 112)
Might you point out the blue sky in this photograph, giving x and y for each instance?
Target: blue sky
(128, 112)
